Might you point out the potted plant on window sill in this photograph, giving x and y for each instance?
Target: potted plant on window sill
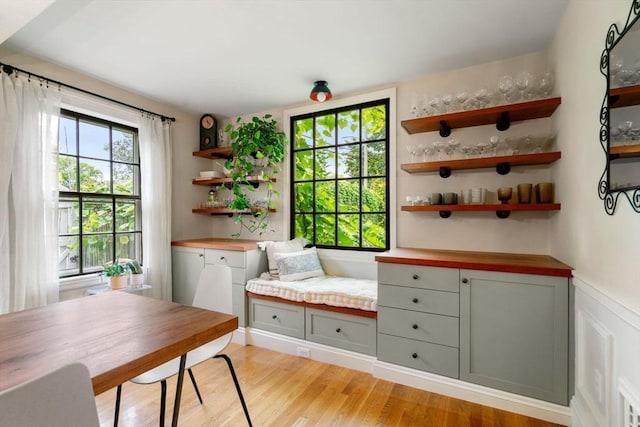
(254, 142)
(117, 274)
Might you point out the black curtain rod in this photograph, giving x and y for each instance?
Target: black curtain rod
(10, 69)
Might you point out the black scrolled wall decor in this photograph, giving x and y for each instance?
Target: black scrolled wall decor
(607, 191)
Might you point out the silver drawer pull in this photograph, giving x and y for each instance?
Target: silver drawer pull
(414, 326)
(416, 277)
(338, 330)
(414, 355)
(415, 300)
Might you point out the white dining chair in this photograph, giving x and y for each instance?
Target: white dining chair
(213, 293)
(62, 398)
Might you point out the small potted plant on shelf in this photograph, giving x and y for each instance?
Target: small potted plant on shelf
(117, 274)
(256, 142)
(137, 278)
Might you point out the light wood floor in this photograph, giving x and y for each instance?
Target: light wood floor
(283, 391)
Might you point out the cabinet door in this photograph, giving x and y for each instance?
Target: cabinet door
(187, 264)
(514, 333)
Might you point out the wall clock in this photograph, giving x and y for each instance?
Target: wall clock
(208, 132)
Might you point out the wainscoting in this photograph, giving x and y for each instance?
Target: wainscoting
(607, 358)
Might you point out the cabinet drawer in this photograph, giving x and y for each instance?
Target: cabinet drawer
(428, 301)
(231, 258)
(285, 319)
(416, 276)
(414, 325)
(424, 356)
(341, 330)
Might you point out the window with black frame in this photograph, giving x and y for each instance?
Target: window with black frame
(339, 178)
(99, 217)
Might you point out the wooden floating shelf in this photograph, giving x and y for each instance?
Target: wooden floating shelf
(617, 151)
(501, 210)
(624, 96)
(215, 153)
(483, 162)
(516, 112)
(229, 212)
(485, 207)
(227, 180)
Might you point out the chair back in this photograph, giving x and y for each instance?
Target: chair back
(62, 398)
(214, 289)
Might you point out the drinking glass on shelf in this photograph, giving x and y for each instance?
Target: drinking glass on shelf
(447, 99)
(527, 144)
(414, 110)
(505, 86)
(434, 103)
(439, 146)
(493, 145)
(427, 153)
(482, 148)
(513, 144)
(413, 151)
(545, 84)
(523, 80)
(424, 106)
(453, 145)
(420, 150)
(483, 97)
(462, 97)
(464, 150)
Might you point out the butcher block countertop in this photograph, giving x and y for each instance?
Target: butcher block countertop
(493, 261)
(219, 243)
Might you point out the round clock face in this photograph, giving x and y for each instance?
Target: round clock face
(207, 122)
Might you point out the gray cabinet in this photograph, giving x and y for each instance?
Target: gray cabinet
(514, 333)
(285, 319)
(188, 262)
(355, 333)
(418, 317)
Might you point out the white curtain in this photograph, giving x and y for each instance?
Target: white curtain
(155, 165)
(29, 113)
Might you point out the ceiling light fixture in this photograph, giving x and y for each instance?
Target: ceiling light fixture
(320, 91)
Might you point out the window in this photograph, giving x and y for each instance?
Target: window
(99, 217)
(339, 186)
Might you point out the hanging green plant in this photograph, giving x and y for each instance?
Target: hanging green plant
(256, 142)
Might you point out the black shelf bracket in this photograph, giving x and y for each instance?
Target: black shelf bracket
(503, 168)
(503, 122)
(445, 130)
(445, 172)
(503, 214)
(445, 214)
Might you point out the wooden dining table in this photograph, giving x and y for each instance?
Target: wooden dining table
(117, 335)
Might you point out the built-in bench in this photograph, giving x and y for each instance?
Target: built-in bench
(319, 310)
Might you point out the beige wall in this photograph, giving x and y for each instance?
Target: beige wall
(603, 249)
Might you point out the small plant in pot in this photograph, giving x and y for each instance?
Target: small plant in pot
(137, 278)
(255, 141)
(117, 274)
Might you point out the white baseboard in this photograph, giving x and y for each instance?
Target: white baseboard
(410, 377)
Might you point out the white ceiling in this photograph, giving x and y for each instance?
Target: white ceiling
(235, 57)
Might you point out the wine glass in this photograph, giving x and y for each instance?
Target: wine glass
(513, 144)
(483, 96)
(545, 84)
(428, 153)
(464, 150)
(413, 151)
(439, 146)
(493, 145)
(420, 150)
(453, 144)
(523, 80)
(415, 106)
(482, 148)
(435, 104)
(462, 97)
(447, 99)
(505, 86)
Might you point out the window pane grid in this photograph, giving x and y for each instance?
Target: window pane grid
(340, 186)
(100, 212)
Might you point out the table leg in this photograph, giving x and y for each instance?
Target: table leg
(176, 406)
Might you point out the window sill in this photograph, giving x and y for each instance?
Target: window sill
(81, 282)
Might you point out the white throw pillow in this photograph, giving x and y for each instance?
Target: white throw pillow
(299, 265)
(273, 248)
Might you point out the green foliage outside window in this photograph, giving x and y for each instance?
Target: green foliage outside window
(339, 172)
